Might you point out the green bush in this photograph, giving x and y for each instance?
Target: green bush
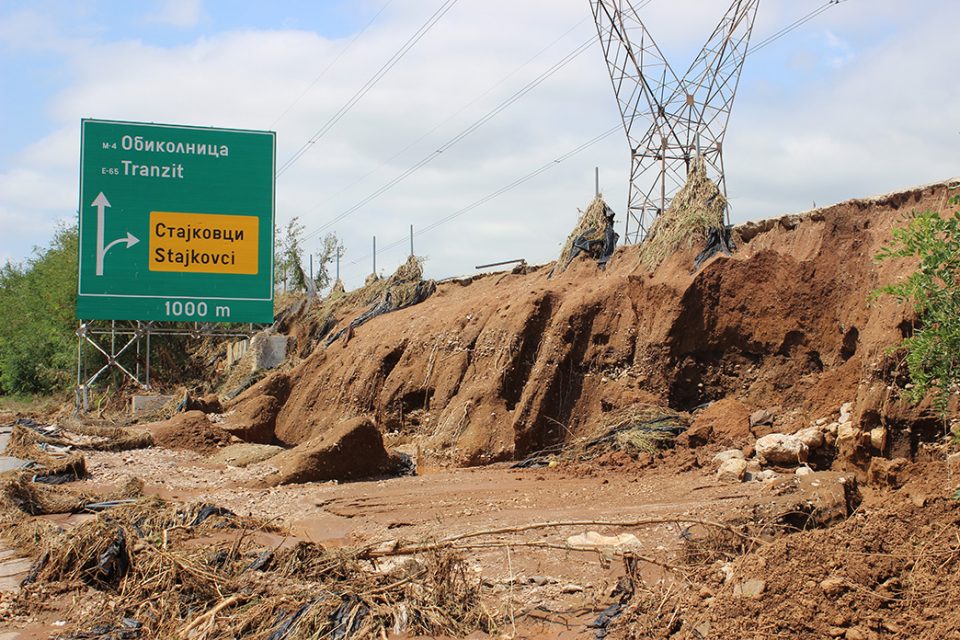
(933, 352)
(38, 347)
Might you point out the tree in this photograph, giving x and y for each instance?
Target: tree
(288, 266)
(331, 249)
(933, 351)
(37, 318)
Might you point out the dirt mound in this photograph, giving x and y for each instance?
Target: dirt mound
(725, 422)
(191, 431)
(350, 451)
(890, 571)
(503, 365)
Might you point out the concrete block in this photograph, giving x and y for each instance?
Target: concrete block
(148, 404)
(268, 352)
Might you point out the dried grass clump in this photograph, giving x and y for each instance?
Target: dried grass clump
(593, 222)
(696, 209)
(20, 494)
(638, 429)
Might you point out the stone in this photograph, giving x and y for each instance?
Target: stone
(754, 466)
(732, 470)
(729, 454)
(878, 438)
(811, 436)
(803, 471)
(140, 405)
(778, 448)
(846, 412)
(953, 466)
(594, 540)
(833, 586)
(702, 630)
(766, 475)
(855, 634)
(760, 417)
(752, 588)
(572, 588)
(268, 352)
(697, 435)
(831, 428)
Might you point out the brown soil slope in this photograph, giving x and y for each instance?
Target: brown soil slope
(503, 365)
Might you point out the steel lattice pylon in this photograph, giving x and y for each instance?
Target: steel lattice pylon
(668, 120)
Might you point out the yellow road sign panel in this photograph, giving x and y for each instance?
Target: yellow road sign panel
(203, 243)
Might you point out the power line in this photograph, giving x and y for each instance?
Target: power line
(374, 79)
(767, 41)
(795, 25)
(458, 111)
(457, 138)
(490, 196)
(327, 68)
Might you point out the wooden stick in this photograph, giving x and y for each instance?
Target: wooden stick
(210, 615)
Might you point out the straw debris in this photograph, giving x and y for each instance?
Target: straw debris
(698, 208)
(200, 572)
(593, 235)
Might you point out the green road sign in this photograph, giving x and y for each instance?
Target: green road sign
(176, 223)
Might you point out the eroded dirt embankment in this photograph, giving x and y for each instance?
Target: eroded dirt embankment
(502, 365)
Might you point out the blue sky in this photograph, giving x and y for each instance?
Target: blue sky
(856, 102)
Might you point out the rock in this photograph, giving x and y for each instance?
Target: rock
(811, 436)
(732, 470)
(803, 471)
(241, 455)
(855, 634)
(760, 417)
(767, 475)
(269, 351)
(953, 466)
(887, 473)
(833, 586)
(846, 412)
(752, 588)
(540, 580)
(778, 448)
(351, 450)
(831, 428)
(754, 466)
(593, 540)
(878, 439)
(702, 630)
(729, 454)
(572, 588)
(697, 435)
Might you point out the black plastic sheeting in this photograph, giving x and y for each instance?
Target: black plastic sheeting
(208, 510)
(113, 563)
(588, 243)
(718, 241)
(128, 630)
(288, 623)
(424, 290)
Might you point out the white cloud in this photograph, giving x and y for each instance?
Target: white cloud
(178, 13)
(885, 118)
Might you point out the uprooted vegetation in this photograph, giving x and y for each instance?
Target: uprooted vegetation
(150, 570)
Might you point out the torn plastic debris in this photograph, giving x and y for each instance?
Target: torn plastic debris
(590, 242)
(717, 242)
(261, 561)
(109, 504)
(114, 561)
(288, 623)
(348, 617)
(128, 630)
(422, 290)
(208, 510)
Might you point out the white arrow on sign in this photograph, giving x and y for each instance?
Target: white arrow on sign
(101, 203)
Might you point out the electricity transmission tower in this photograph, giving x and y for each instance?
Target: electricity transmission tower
(669, 120)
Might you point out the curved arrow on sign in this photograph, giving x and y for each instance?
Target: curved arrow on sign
(101, 203)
